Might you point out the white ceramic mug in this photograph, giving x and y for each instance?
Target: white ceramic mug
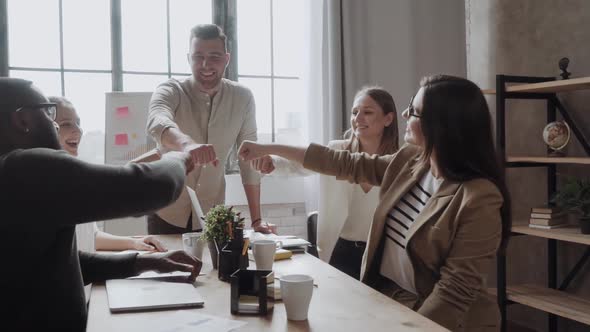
(193, 244)
(296, 292)
(264, 253)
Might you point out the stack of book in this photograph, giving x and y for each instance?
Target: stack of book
(547, 217)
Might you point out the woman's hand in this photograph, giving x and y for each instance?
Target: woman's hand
(263, 165)
(149, 243)
(163, 262)
(250, 150)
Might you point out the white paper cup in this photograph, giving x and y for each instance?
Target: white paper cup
(264, 253)
(296, 292)
(193, 244)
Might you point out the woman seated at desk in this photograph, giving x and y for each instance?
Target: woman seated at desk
(89, 237)
(444, 209)
(346, 210)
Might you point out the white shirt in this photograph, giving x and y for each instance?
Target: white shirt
(395, 263)
(361, 208)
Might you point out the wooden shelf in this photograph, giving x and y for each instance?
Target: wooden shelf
(550, 300)
(571, 84)
(568, 233)
(550, 160)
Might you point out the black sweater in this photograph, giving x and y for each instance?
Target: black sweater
(43, 195)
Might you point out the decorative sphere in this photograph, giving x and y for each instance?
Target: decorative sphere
(556, 135)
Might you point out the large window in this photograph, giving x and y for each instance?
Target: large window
(82, 49)
(155, 39)
(270, 61)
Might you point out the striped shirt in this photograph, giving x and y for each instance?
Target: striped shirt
(395, 264)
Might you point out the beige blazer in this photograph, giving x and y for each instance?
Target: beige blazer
(453, 244)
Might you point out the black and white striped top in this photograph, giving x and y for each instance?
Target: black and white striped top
(395, 264)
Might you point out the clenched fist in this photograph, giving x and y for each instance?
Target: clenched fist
(202, 154)
(250, 150)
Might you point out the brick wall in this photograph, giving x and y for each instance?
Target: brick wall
(290, 218)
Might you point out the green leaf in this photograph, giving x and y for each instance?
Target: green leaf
(574, 196)
(216, 223)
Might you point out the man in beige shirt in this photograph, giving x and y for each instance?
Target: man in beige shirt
(205, 115)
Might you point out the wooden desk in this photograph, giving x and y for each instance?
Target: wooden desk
(339, 303)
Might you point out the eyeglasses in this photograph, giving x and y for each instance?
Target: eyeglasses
(48, 108)
(412, 110)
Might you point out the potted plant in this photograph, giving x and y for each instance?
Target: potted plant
(575, 197)
(216, 230)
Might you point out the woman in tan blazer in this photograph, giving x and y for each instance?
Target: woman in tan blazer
(444, 207)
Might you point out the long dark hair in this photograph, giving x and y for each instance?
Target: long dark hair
(389, 140)
(457, 128)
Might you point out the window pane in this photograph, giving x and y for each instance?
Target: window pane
(144, 35)
(40, 25)
(87, 92)
(48, 82)
(87, 34)
(289, 110)
(181, 77)
(253, 37)
(261, 90)
(288, 37)
(142, 83)
(185, 14)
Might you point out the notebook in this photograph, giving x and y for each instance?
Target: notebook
(142, 294)
(289, 242)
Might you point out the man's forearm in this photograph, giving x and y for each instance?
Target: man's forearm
(174, 139)
(253, 197)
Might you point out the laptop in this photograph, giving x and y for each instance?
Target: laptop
(126, 295)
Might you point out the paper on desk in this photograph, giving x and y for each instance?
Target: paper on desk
(254, 236)
(289, 241)
(163, 275)
(183, 320)
(154, 274)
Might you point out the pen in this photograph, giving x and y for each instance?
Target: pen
(245, 247)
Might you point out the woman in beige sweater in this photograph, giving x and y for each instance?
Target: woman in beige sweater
(444, 209)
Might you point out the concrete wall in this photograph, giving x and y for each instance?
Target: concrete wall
(398, 42)
(528, 37)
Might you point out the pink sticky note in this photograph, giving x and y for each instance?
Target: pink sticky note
(121, 139)
(122, 112)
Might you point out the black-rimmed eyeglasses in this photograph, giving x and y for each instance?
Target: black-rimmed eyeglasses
(412, 110)
(48, 108)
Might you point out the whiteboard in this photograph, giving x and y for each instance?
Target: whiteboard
(125, 128)
(126, 138)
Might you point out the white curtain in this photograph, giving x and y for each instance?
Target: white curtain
(323, 81)
(336, 67)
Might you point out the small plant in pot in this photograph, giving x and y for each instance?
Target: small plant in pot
(216, 230)
(574, 196)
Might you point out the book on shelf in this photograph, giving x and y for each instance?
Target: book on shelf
(546, 222)
(546, 209)
(555, 215)
(547, 227)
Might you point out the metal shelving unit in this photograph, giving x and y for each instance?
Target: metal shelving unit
(552, 299)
